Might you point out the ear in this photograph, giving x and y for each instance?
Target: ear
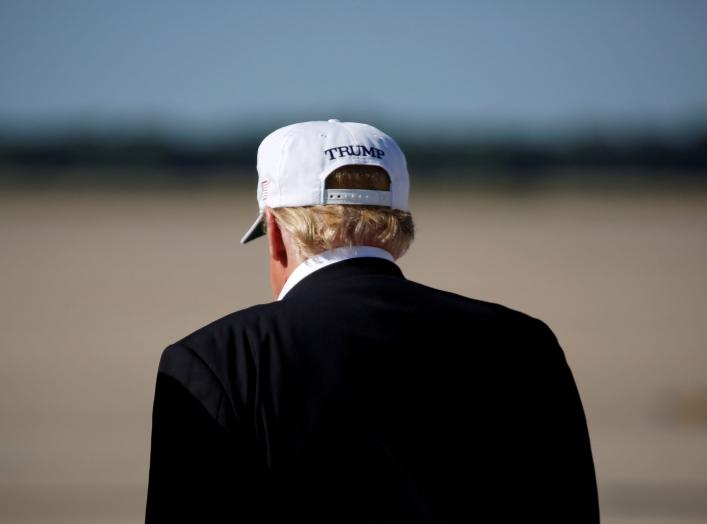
(275, 242)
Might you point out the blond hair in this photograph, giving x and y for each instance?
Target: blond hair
(318, 228)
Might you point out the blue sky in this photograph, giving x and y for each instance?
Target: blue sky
(203, 64)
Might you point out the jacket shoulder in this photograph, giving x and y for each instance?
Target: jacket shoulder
(218, 359)
(249, 319)
(515, 323)
(240, 329)
(478, 306)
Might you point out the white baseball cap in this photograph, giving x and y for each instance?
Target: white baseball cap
(294, 162)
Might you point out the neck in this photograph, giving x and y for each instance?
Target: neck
(280, 270)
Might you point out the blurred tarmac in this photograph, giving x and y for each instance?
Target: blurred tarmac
(95, 284)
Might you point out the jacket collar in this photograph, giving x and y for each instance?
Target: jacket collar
(330, 256)
(346, 268)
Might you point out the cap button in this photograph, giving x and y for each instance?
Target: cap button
(333, 120)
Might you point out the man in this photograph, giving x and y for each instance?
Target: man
(359, 395)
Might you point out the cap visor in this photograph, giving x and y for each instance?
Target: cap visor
(256, 230)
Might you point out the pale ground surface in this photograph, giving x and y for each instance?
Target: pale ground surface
(94, 285)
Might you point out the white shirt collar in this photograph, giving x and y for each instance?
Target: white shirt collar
(328, 257)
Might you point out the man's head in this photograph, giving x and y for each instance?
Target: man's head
(323, 185)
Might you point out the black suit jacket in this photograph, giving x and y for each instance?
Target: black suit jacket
(363, 396)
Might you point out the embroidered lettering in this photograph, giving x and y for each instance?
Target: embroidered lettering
(353, 150)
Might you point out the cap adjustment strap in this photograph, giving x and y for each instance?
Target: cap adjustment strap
(358, 196)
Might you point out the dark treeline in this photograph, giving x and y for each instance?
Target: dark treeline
(465, 157)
